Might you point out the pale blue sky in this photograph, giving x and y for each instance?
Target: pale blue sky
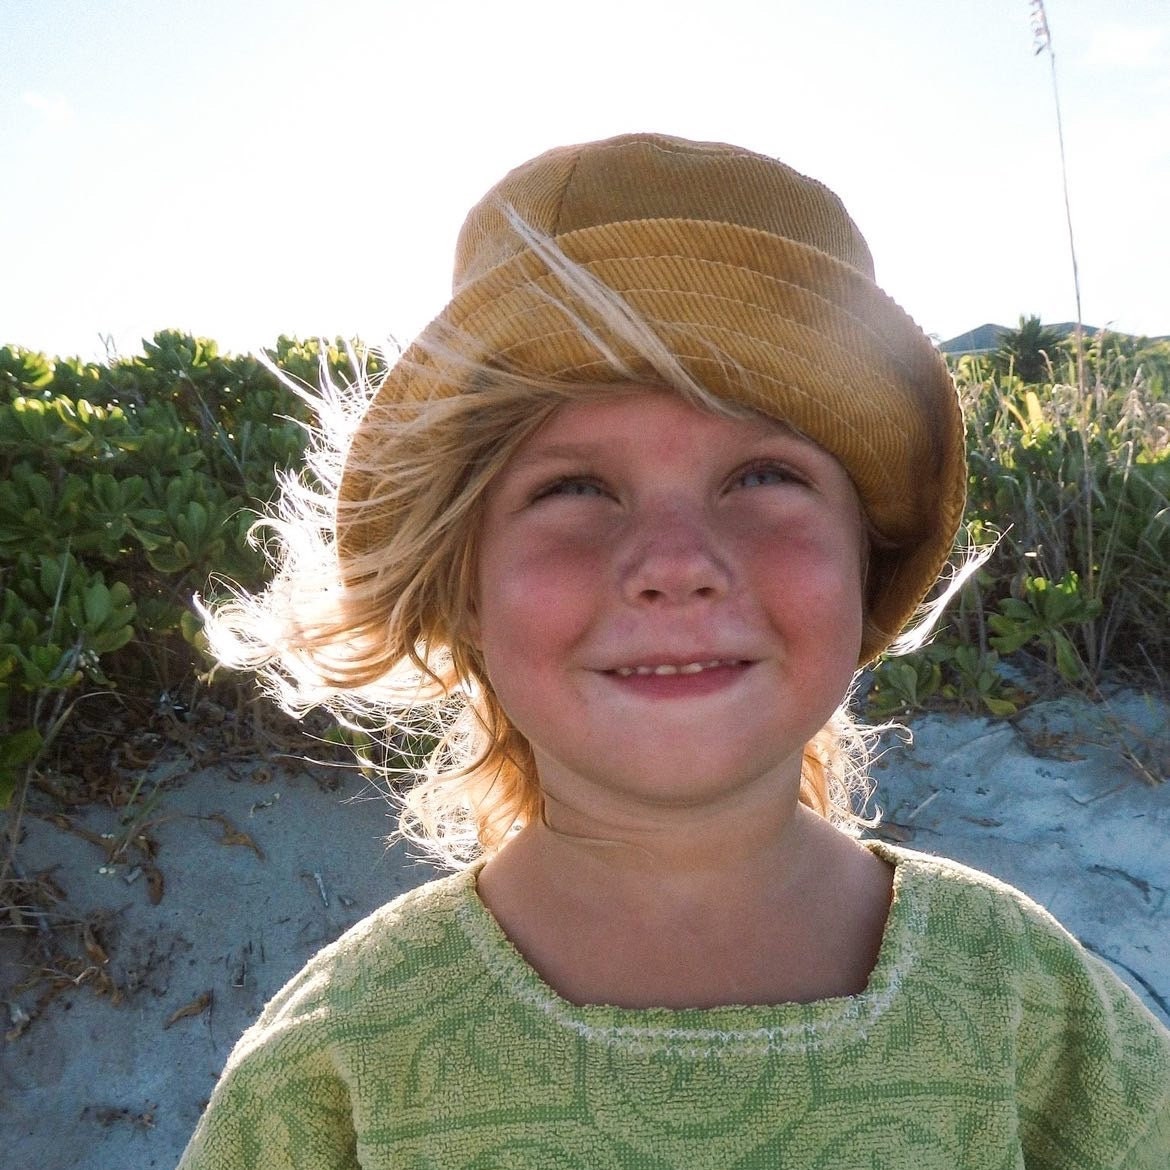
(242, 168)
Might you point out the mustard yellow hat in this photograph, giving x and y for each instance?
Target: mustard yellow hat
(760, 284)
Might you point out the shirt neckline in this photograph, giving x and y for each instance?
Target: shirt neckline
(738, 1029)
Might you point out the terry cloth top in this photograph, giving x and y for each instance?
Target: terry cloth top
(986, 1039)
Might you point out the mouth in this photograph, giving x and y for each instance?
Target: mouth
(665, 669)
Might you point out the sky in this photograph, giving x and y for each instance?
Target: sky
(239, 169)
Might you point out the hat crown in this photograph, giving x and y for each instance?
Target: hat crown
(758, 284)
(654, 176)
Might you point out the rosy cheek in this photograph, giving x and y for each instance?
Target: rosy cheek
(537, 582)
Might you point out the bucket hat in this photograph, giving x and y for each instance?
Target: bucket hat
(757, 280)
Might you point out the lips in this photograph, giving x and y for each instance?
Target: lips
(664, 669)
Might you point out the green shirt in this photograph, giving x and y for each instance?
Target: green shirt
(986, 1039)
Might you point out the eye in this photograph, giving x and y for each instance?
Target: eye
(765, 473)
(571, 485)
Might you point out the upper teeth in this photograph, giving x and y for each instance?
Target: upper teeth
(666, 668)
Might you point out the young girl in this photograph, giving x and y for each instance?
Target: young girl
(620, 528)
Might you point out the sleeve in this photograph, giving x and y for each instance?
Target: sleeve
(1093, 1061)
(304, 1127)
(281, 1103)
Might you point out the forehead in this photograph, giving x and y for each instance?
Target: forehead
(629, 417)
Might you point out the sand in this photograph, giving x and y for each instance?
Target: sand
(256, 867)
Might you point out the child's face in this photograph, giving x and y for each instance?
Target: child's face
(669, 603)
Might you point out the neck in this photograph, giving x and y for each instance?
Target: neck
(694, 855)
(765, 911)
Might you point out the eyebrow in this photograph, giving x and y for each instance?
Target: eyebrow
(562, 452)
(568, 452)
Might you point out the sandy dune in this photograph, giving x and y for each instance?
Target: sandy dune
(258, 868)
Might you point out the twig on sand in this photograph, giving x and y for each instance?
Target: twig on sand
(1152, 991)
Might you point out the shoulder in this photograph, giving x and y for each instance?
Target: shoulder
(380, 955)
(961, 904)
(1092, 1062)
(403, 954)
(289, 1084)
(974, 918)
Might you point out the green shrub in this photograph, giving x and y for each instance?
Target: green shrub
(1077, 488)
(123, 488)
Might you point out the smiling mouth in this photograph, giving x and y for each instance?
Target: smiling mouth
(669, 668)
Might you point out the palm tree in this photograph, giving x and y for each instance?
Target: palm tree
(1029, 351)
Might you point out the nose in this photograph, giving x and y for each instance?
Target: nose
(674, 557)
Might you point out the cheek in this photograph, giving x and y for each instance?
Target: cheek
(814, 583)
(532, 605)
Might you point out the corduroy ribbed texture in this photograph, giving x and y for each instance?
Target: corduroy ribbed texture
(761, 285)
(652, 177)
(986, 1040)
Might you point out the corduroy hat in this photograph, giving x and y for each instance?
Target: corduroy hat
(760, 284)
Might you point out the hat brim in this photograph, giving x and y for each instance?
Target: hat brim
(760, 320)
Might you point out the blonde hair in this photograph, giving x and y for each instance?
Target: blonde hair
(380, 637)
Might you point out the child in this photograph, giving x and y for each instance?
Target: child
(624, 522)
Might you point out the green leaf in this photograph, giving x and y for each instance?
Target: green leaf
(191, 627)
(98, 605)
(18, 747)
(1068, 662)
(1000, 707)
